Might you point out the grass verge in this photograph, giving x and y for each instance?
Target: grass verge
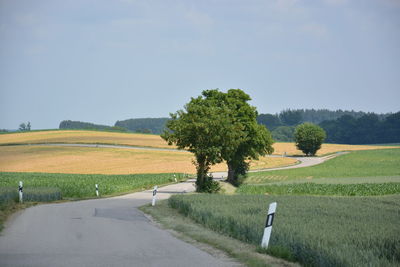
(192, 232)
(316, 231)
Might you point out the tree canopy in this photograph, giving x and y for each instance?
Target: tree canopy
(25, 127)
(219, 126)
(309, 137)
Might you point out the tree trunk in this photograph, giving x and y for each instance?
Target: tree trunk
(202, 169)
(231, 173)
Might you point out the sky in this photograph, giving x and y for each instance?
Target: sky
(102, 61)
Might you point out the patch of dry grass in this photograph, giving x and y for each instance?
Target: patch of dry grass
(85, 160)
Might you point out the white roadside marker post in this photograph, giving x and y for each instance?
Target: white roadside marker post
(268, 225)
(175, 178)
(153, 202)
(97, 190)
(20, 189)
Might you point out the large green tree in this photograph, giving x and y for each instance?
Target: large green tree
(309, 137)
(197, 129)
(247, 140)
(219, 126)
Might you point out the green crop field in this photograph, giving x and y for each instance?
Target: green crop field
(83, 185)
(314, 230)
(36, 194)
(344, 212)
(372, 163)
(359, 189)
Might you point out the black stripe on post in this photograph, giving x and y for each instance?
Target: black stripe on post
(154, 192)
(19, 189)
(270, 220)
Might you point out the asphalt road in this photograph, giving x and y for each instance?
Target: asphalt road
(100, 232)
(302, 162)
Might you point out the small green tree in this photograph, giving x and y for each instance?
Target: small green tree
(309, 137)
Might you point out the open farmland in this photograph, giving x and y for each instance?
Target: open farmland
(143, 140)
(91, 160)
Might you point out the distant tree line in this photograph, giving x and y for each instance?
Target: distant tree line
(68, 124)
(341, 126)
(146, 125)
(368, 129)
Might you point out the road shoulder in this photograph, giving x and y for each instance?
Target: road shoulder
(220, 246)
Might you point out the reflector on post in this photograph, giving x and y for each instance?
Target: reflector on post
(153, 202)
(268, 225)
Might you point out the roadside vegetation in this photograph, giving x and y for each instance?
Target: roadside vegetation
(313, 230)
(77, 186)
(9, 199)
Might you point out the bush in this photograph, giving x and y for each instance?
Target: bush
(208, 186)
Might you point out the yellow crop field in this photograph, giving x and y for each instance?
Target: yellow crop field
(290, 148)
(87, 137)
(91, 160)
(145, 140)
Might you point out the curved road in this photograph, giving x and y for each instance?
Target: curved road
(102, 232)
